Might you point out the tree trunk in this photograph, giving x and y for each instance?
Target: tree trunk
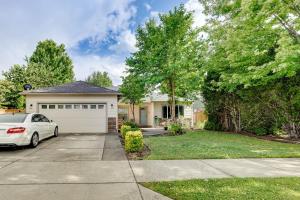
(173, 107)
(132, 110)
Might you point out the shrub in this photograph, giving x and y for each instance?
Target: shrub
(175, 129)
(124, 130)
(260, 131)
(132, 124)
(134, 141)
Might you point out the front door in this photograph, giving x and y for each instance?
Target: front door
(143, 116)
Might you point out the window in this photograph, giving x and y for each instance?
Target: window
(51, 106)
(100, 106)
(44, 106)
(76, 106)
(60, 106)
(36, 118)
(12, 118)
(179, 111)
(44, 119)
(85, 106)
(166, 111)
(123, 114)
(93, 106)
(68, 106)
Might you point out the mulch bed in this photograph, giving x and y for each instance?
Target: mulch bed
(138, 155)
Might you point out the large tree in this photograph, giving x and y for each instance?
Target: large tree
(100, 79)
(253, 56)
(167, 54)
(49, 65)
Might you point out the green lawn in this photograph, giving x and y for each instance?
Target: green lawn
(208, 144)
(233, 189)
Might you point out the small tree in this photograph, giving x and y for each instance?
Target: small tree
(100, 79)
(133, 90)
(8, 96)
(15, 78)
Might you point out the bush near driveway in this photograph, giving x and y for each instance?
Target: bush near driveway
(124, 130)
(134, 141)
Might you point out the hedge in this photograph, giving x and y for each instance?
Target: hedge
(134, 141)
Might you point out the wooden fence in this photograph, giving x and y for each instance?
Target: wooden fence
(199, 117)
(3, 111)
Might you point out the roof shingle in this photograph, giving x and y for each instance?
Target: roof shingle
(78, 87)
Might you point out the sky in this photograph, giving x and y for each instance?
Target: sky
(98, 34)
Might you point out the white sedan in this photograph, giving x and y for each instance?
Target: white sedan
(25, 129)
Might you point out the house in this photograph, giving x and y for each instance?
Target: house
(80, 107)
(155, 110)
(76, 107)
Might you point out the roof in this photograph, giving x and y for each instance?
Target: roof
(78, 87)
(114, 88)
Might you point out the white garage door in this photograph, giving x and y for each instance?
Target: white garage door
(77, 118)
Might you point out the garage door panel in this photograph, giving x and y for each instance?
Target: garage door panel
(78, 120)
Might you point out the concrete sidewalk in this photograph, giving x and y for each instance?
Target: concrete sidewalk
(168, 170)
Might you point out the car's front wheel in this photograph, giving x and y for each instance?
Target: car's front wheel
(34, 140)
(56, 132)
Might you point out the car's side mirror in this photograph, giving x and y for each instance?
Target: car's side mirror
(51, 120)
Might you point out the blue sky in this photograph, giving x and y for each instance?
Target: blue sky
(98, 34)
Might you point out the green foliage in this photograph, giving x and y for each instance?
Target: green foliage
(175, 129)
(168, 55)
(134, 141)
(133, 90)
(15, 77)
(252, 70)
(124, 130)
(5, 93)
(100, 79)
(48, 66)
(130, 123)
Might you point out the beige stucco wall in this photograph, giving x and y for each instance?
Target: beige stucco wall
(32, 101)
(154, 109)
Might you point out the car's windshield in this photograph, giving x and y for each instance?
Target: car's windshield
(12, 118)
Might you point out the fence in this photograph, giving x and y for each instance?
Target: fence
(200, 117)
(3, 111)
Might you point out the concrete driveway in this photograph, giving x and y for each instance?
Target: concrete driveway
(70, 167)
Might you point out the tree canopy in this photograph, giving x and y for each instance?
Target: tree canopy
(100, 79)
(253, 64)
(133, 90)
(167, 54)
(49, 65)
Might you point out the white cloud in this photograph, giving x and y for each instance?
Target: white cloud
(155, 15)
(24, 23)
(147, 6)
(126, 43)
(196, 7)
(85, 65)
